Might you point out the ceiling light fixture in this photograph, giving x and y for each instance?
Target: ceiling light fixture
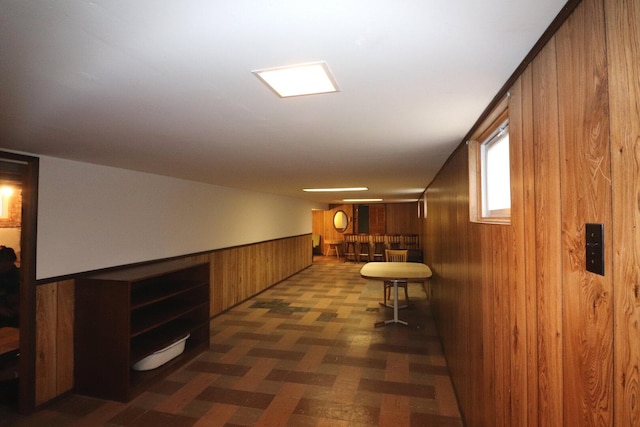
(297, 80)
(361, 200)
(327, 190)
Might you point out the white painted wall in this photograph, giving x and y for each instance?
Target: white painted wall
(92, 217)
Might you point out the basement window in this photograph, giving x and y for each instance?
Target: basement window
(5, 197)
(490, 173)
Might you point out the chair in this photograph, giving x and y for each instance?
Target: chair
(394, 241)
(364, 248)
(411, 241)
(315, 244)
(395, 255)
(378, 248)
(350, 248)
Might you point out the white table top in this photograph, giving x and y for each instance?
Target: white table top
(409, 271)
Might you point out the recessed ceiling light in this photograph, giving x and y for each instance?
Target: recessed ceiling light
(298, 80)
(361, 200)
(326, 190)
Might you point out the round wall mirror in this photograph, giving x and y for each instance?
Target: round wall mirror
(340, 221)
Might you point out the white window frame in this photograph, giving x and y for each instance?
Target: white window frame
(501, 178)
(488, 135)
(5, 197)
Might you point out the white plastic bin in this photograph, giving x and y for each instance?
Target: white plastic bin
(161, 356)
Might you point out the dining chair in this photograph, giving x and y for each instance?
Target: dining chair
(350, 248)
(395, 255)
(364, 248)
(394, 241)
(411, 241)
(379, 247)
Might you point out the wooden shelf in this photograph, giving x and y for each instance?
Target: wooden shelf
(157, 291)
(125, 315)
(155, 316)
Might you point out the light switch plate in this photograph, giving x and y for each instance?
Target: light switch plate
(594, 246)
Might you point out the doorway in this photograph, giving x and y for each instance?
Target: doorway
(18, 207)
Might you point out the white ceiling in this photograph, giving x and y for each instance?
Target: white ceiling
(166, 86)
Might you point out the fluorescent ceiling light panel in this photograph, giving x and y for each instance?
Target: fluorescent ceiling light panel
(361, 200)
(327, 190)
(298, 80)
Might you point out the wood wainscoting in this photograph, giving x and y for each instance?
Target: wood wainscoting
(239, 273)
(236, 274)
(523, 324)
(54, 339)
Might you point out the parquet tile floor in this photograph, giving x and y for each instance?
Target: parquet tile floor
(303, 353)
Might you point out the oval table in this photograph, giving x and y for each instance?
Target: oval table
(395, 272)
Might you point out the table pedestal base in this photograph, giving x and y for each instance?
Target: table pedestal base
(395, 305)
(390, 321)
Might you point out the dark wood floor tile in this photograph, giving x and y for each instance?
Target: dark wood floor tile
(224, 381)
(296, 420)
(258, 400)
(244, 417)
(299, 327)
(128, 416)
(362, 362)
(328, 342)
(428, 369)
(196, 408)
(236, 397)
(278, 375)
(310, 407)
(156, 418)
(365, 415)
(166, 387)
(323, 380)
(239, 322)
(77, 405)
(355, 414)
(220, 348)
(422, 420)
(284, 316)
(397, 388)
(258, 337)
(219, 368)
(276, 354)
(398, 348)
(337, 411)
(46, 417)
(318, 393)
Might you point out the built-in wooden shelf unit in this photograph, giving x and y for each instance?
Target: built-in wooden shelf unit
(125, 315)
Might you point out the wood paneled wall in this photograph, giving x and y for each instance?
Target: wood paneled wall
(623, 50)
(522, 321)
(239, 273)
(54, 340)
(328, 232)
(377, 220)
(400, 218)
(236, 274)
